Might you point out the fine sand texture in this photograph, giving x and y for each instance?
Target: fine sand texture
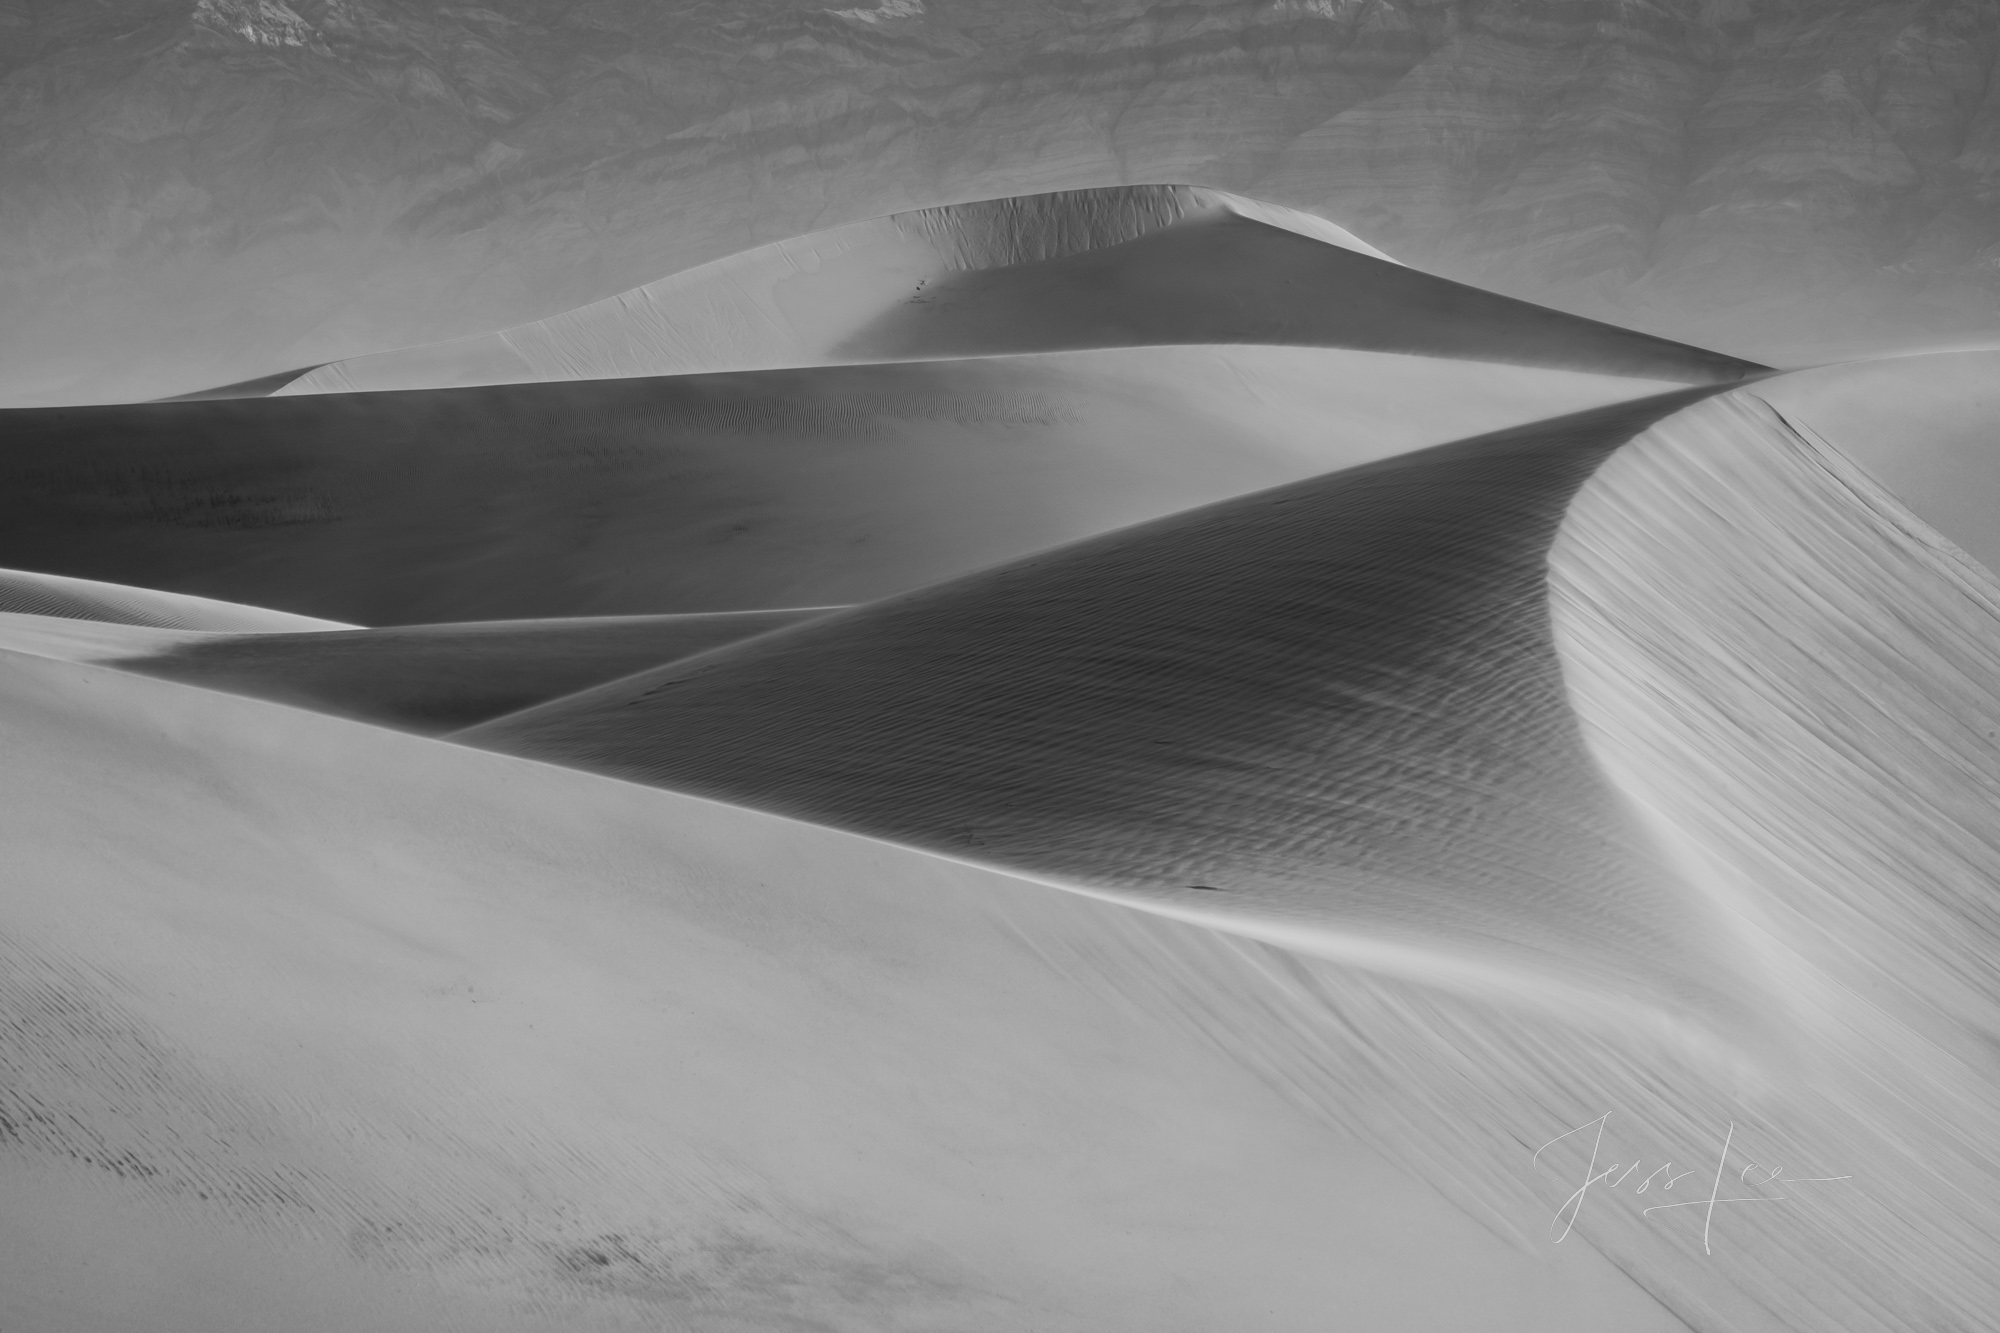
(706, 493)
(438, 678)
(320, 1027)
(1120, 267)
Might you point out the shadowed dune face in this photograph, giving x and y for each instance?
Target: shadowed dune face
(1131, 266)
(438, 678)
(1332, 709)
(705, 493)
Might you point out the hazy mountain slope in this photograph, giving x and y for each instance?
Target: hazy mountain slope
(705, 493)
(319, 1026)
(1125, 267)
(194, 194)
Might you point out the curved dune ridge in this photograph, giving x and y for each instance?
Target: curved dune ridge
(1462, 788)
(707, 493)
(1344, 706)
(1123, 266)
(1638, 760)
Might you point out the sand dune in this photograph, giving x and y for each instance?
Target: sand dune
(1118, 267)
(321, 1027)
(1330, 712)
(437, 678)
(1630, 761)
(1638, 760)
(706, 493)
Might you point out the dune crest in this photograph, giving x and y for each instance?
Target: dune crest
(1123, 266)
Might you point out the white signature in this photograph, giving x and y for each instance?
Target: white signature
(1566, 1215)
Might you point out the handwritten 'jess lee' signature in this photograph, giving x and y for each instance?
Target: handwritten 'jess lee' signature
(1566, 1215)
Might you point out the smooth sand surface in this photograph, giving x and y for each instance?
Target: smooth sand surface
(1119, 267)
(1331, 712)
(316, 1026)
(706, 493)
(438, 678)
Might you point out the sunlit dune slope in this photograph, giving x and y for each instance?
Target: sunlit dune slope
(435, 678)
(1331, 713)
(1119, 267)
(28, 593)
(1797, 679)
(320, 1027)
(706, 493)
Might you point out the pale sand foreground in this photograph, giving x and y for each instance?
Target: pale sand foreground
(707, 493)
(1123, 266)
(325, 1028)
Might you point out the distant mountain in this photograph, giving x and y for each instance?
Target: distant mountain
(194, 192)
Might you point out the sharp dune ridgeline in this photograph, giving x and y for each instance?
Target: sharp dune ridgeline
(1165, 785)
(706, 493)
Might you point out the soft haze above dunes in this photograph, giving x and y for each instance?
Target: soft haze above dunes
(200, 192)
(980, 814)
